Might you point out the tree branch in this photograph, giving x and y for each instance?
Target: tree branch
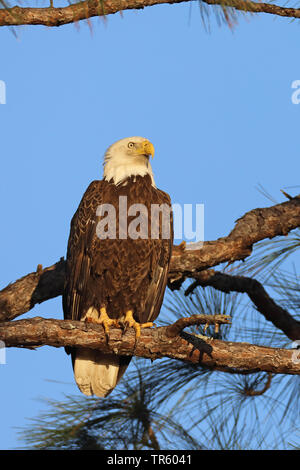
(254, 7)
(152, 344)
(254, 226)
(179, 325)
(256, 292)
(251, 392)
(87, 9)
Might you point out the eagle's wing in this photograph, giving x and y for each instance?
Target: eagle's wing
(161, 257)
(82, 232)
(95, 372)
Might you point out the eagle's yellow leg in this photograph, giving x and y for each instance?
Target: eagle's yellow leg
(130, 321)
(105, 320)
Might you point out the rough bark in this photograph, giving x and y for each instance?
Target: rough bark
(83, 10)
(153, 344)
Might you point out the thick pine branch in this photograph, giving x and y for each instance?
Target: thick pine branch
(153, 344)
(254, 226)
(83, 10)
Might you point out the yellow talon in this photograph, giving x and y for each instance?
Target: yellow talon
(105, 320)
(130, 321)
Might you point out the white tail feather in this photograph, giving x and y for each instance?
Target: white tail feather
(96, 373)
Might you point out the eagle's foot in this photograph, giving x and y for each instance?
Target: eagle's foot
(105, 320)
(182, 245)
(130, 322)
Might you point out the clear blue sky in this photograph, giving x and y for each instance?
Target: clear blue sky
(216, 106)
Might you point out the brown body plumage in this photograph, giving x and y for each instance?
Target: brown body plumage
(117, 274)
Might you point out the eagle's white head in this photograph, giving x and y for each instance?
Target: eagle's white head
(128, 157)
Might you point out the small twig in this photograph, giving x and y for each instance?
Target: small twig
(286, 195)
(176, 328)
(192, 286)
(250, 392)
(39, 268)
(153, 439)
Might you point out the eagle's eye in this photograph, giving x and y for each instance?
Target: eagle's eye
(130, 145)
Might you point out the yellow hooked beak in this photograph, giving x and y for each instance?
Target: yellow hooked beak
(147, 148)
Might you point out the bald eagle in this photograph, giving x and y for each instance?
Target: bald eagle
(117, 262)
